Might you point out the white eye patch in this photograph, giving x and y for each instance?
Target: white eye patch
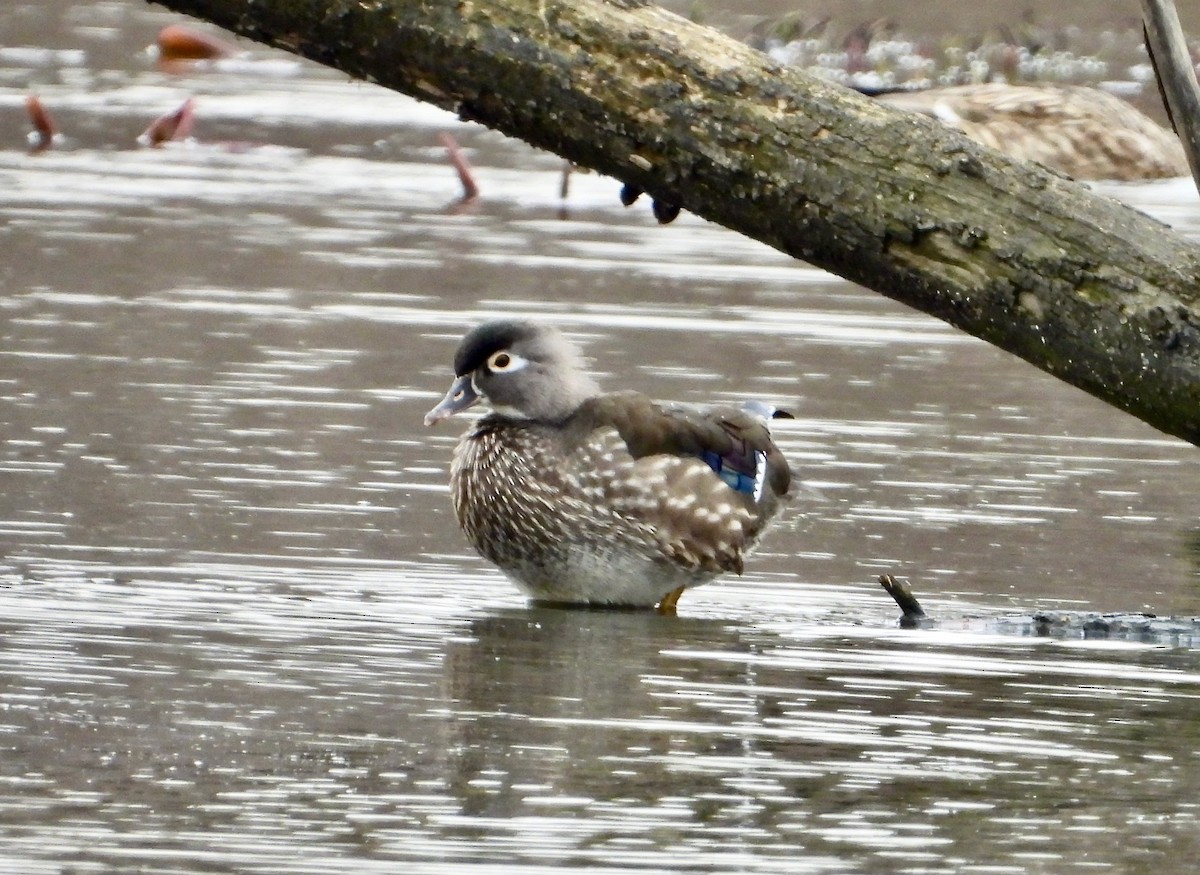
(505, 362)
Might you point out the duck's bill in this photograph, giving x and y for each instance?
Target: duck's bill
(461, 396)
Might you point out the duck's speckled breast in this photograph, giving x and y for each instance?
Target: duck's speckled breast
(523, 506)
(577, 518)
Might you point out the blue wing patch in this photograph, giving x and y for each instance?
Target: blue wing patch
(739, 476)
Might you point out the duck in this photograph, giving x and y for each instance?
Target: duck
(1084, 132)
(605, 499)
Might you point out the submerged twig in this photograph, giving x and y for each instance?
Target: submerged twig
(1176, 76)
(44, 131)
(175, 125)
(179, 43)
(902, 593)
(459, 162)
(564, 185)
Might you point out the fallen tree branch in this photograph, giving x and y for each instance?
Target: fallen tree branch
(1084, 287)
(1176, 75)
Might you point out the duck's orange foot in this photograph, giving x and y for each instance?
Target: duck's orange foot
(667, 606)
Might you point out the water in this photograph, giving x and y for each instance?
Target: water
(239, 631)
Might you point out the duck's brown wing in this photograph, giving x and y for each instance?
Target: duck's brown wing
(705, 481)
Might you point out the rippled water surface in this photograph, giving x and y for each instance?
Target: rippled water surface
(239, 631)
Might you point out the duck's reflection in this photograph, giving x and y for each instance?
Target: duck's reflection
(561, 702)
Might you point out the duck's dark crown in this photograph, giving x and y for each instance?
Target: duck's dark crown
(491, 337)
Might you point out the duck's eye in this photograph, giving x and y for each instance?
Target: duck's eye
(500, 361)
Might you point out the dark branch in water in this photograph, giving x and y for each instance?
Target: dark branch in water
(1176, 76)
(902, 593)
(564, 184)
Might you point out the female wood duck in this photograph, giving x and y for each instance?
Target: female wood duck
(584, 497)
(1083, 132)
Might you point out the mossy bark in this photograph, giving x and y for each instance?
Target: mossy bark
(1080, 285)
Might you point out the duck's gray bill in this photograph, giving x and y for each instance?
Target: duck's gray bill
(461, 396)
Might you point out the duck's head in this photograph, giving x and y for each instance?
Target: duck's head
(522, 370)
